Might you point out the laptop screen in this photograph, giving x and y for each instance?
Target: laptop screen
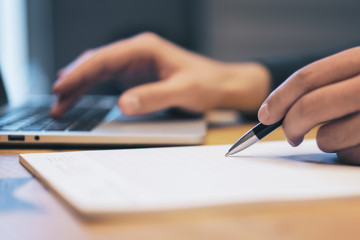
(3, 97)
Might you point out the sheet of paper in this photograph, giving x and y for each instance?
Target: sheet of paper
(137, 180)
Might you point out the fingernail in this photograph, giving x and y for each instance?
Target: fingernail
(295, 143)
(291, 143)
(263, 113)
(60, 73)
(130, 104)
(56, 83)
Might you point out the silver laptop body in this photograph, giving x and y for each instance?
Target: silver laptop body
(98, 122)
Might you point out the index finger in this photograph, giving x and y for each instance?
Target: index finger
(91, 67)
(323, 72)
(99, 65)
(106, 61)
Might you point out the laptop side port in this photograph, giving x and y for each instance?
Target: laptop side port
(20, 138)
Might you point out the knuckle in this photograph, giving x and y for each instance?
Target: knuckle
(88, 52)
(147, 41)
(306, 76)
(147, 37)
(306, 106)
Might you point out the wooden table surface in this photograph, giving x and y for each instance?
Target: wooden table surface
(29, 211)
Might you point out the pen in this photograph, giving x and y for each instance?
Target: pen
(252, 136)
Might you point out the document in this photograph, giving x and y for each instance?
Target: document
(108, 182)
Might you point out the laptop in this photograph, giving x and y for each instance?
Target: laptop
(94, 121)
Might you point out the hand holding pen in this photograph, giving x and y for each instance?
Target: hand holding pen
(326, 91)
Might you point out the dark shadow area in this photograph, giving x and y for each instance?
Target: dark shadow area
(322, 158)
(318, 158)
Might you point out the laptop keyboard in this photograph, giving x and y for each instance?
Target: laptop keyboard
(39, 119)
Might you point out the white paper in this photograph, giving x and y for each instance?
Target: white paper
(136, 180)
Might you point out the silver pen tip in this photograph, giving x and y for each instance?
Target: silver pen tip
(227, 154)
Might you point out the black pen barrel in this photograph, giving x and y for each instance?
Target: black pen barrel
(262, 130)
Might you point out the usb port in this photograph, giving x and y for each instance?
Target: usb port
(16, 138)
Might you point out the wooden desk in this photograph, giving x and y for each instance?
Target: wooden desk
(28, 211)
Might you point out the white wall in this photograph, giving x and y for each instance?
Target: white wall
(13, 48)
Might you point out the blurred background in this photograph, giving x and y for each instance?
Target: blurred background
(38, 37)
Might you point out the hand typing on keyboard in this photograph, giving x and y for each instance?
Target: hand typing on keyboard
(159, 75)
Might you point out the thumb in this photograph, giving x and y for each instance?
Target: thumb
(150, 97)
